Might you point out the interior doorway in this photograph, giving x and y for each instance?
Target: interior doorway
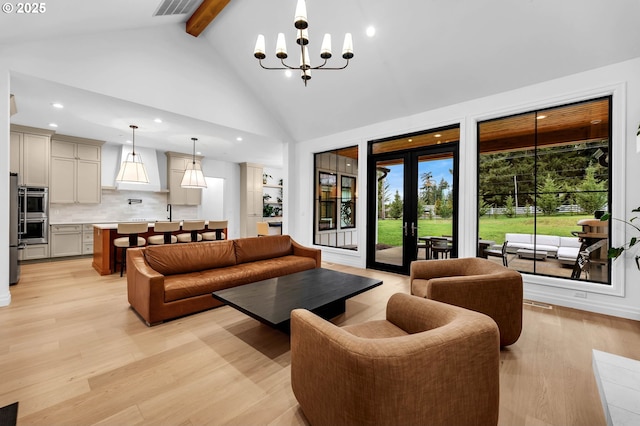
(412, 193)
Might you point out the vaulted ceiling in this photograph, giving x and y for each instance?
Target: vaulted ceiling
(424, 55)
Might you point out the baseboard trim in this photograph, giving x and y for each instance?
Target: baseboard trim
(596, 306)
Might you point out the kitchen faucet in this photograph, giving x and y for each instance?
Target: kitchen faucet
(169, 210)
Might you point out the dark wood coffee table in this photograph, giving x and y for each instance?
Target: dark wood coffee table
(321, 291)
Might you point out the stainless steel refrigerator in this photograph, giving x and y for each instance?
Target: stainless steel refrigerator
(14, 245)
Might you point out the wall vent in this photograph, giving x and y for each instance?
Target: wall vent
(175, 7)
(537, 304)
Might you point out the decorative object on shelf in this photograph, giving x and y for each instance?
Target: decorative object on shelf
(132, 169)
(265, 178)
(267, 210)
(193, 176)
(265, 198)
(301, 24)
(615, 252)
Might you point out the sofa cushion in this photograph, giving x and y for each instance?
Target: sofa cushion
(547, 241)
(568, 253)
(190, 257)
(260, 248)
(570, 242)
(517, 239)
(192, 284)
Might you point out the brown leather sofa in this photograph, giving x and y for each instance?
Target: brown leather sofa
(173, 280)
(477, 284)
(428, 363)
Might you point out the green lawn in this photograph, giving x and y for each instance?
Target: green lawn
(491, 228)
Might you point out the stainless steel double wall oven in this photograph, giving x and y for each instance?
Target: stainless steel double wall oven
(33, 205)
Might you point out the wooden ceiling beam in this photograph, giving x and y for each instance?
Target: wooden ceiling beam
(204, 15)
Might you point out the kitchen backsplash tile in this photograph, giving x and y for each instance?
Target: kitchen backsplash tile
(115, 207)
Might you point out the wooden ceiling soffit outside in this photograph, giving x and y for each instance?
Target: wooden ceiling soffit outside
(204, 15)
(571, 124)
(349, 152)
(417, 141)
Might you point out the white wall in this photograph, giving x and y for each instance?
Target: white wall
(230, 173)
(5, 294)
(622, 80)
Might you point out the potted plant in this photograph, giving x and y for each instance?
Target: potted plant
(615, 252)
(265, 177)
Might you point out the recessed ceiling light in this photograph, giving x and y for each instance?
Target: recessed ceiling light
(53, 125)
(57, 105)
(158, 120)
(128, 141)
(540, 117)
(288, 73)
(596, 121)
(437, 135)
(371, 31)
(410, 140)
(239, 139)
(199, 153)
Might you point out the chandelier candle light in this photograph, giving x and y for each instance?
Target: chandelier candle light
(132, 169)
(193, 176)
(301, 24)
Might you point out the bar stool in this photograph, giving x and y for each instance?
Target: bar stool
(166, 228)
(131, 240)
(193, 226)
(217, 230)
(262, 229)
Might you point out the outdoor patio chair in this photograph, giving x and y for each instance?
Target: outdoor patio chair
(498, 251)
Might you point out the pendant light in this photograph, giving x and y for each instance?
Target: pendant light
(193, 176)
(132, 169)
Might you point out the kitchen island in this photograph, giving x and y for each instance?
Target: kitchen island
(105, 233)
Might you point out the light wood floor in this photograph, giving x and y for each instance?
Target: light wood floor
(72, 352)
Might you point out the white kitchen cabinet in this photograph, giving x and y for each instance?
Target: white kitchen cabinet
(87, 238)
(176, 165)
(75, 170)
(66, 240)
(250, 198)
(34, 251)
(29, 155)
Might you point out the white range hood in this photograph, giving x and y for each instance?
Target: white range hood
(150, 161)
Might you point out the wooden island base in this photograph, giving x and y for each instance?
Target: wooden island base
(103, 236)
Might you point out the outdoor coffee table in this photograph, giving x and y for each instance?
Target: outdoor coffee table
(321, 291)
(532, 254)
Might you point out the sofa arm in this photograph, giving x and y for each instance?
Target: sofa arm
(300, 250)
(145, 287)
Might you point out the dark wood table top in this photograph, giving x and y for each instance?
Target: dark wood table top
(271, 301)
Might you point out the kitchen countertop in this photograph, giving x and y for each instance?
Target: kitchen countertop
(114, 225)
(70, 223)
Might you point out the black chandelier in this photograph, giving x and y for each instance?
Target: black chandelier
(301, 24)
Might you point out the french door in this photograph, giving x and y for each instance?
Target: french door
(412, 206)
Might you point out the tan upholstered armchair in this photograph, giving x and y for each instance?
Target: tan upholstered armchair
(473, 283)
(427, 363)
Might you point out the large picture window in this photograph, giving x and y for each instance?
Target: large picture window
(543, 184)
(336, 198)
